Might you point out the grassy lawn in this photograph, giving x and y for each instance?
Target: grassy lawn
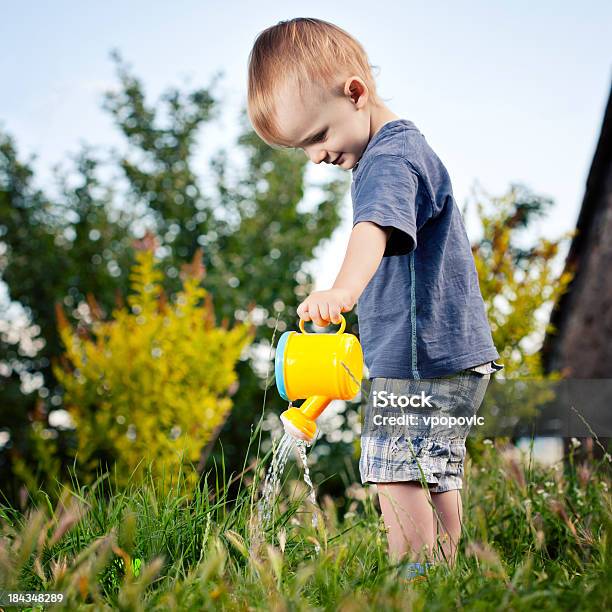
(534, 537)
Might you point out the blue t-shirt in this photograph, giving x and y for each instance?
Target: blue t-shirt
(422, 314)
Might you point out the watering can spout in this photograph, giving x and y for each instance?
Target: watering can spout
(300, 422)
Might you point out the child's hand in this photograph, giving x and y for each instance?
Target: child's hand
(324, 307)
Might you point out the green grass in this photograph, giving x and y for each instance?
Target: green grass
(533, 537)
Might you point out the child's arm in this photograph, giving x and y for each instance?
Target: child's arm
(363, 255)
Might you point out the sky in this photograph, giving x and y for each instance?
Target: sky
(503, 91)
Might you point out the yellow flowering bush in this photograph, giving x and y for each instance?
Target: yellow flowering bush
(150, 384)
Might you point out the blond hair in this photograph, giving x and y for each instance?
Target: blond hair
(309, 51)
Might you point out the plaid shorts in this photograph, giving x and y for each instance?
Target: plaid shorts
(425, 444)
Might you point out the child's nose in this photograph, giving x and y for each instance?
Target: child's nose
(317, 156)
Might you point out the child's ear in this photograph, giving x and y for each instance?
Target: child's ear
(355, 88)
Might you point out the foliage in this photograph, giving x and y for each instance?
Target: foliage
(249, 217)
(534, 537)
(256, 232)
(517, 283)
(150, 384)
(255, 229)
(52, 249)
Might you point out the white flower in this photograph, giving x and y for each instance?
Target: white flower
(487, 442)
(575, 443)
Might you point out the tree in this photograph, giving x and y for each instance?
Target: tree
(255, 235)
(517, 283)
(50, 250)
(253, 229)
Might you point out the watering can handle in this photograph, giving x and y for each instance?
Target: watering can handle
(342, 326)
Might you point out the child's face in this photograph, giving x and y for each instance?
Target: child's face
(337, 128)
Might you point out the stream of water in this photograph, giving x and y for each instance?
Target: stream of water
(301, 446)
(280, 455)
(271, 486)
(273, 477)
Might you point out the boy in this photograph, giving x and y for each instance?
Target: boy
(408, 266)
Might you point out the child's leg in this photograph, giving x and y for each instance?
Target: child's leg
(449, 509)
(408, 518)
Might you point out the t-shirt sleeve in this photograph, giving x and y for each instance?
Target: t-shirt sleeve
(386, 195)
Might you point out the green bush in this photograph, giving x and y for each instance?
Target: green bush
(151, 383)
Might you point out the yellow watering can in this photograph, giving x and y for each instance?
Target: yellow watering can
(318, 368)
